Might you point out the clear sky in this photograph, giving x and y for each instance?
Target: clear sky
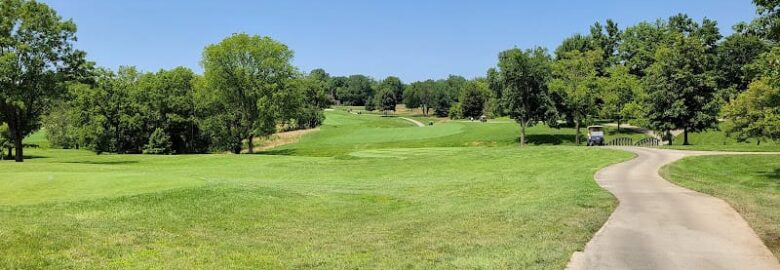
(414, 40)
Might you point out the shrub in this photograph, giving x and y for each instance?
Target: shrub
(159, 143)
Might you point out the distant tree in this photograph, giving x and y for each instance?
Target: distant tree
(59, 126)
(575, 81)
(618, 91)
(386, 98)
(442, 103)
(473, 99)
(336, 85)
(680, 89)
(36, 59)
(357, 92)
(246, 74)
(421, 95)
(524, 76)
(394, 84)
(493, 81)
(5, 142)
(638, 46)
(454, 86)
(166, 101)
(733, 54)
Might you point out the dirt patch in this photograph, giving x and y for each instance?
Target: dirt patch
(279, 139)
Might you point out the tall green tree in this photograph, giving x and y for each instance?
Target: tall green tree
(769, 18)
(524, 76)
(395, 84)
(386, 98)
(36, 59)
(575, 80)
(681, 89)
(618, 90)
(733, 54)
(755, 113)
(473, 99)
(247, 73)
(421, 95)
(357, 91)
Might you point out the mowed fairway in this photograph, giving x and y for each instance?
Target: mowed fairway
(364, 192)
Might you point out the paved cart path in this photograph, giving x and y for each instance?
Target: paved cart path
(659, 225)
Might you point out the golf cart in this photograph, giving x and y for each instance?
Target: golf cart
(595, 135)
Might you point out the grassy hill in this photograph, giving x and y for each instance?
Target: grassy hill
(364, 192)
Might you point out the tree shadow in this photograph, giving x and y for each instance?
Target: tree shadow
(553, 139)
(277, 152)
(26, 157)
(773, 175)
(112, 162)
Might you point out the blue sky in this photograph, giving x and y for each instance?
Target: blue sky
(414, 40)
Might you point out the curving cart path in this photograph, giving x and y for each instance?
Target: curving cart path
(659, 225)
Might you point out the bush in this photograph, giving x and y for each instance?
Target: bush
(159, 143)
(310, 117)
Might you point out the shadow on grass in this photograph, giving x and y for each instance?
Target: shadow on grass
(277, 152)
(773, 175)
(114, 162)
(25, 158)
(554, 139)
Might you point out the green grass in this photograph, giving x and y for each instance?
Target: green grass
(489, 208)
(751, 184)
(344, 133)
(716, 140)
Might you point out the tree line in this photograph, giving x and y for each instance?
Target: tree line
(248, 89)
(670, 74)
(673, 74)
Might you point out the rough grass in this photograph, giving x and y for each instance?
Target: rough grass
(443, 208)
(751, 184)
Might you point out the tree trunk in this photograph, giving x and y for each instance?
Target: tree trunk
(522, 132)
(577, 134)
(758, 141)
(18, 145)
(670, 137)
(685, 136)
(251, 144)
(618, 127)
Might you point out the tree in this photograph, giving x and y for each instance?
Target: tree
(769, 18)
(395, 85)
(454, 85)
(420, 95)
(680, 89)
(575, 81)
(733, 54)
(386, 99)
(473, 99)
(166, 101)
(524, 76)
(618, 90)
(755, 113)
(245, 74)
(639, 44)
(36, 59)
(357, 91)
(442, 103)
